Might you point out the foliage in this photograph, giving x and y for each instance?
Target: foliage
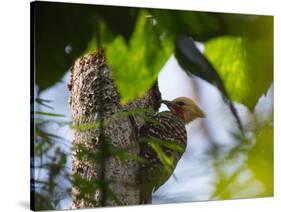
(230, 55)
(139, 48)
(260, 159)
(139, 59)
(159, 146)
(254, 173)
(50, 175)
(237, 58)
(64, 35)
(200, 25)
(53, 33)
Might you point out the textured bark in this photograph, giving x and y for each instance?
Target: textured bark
(95, 99)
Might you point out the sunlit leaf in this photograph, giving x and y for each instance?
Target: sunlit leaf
(162, 155)
(244, 64)
(105, 34)
(158, 147)
(229, 57)
(135, 66)
(260, 159)
(225, 184)
(194, 62)
(166, 143)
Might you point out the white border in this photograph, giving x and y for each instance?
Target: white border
(14, 105)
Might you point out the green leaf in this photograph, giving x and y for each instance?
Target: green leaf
(138, 112)
(124, 155)
(115, 197)
(157, 145)
(162, 155)
(165, 143)
(44, 102)
(136, 65)
(42, 202)
(58, 25)
(250, 26)
(244, 63)
(229, 57)
(200, 25)
(49, 114)
(193, 61)
(106, 36)
(89, 126)
(260, 159)
(62, 160)
(86, 186)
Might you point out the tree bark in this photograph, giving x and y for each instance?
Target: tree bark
(101, 178)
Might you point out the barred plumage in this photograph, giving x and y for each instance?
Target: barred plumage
(168, 126)
(173, 126)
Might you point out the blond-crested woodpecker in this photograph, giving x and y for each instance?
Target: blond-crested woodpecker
(164, 126)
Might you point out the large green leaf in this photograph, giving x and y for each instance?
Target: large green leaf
(245, 65)
(136, 65)
(228, 55)
(193, 61)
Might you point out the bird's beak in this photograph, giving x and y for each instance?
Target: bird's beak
(166, 102)
(200, 113)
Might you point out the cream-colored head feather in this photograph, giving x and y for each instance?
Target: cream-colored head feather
(185, 108)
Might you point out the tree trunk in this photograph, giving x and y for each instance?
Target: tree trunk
(103, 175)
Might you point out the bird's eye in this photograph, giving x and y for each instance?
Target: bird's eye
(180, 103)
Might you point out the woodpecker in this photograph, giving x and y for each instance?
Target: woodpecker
(164, 126)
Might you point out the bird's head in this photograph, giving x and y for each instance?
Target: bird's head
(184, 108)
